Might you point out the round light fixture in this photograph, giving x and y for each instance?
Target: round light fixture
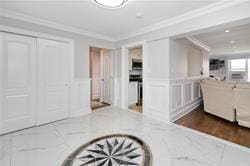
(111, 4)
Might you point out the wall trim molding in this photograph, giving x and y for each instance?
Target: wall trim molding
(185, 110)
(81, 97)
(198, 43)
(43, 22)
(222, 4)
(181, 18)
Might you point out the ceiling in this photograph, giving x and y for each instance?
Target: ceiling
(85, 15)
(220, 42)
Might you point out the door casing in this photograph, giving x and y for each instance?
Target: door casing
(125, 72)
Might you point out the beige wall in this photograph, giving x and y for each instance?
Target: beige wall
(95, 72)
(178, 58)
(194, 61)
(187, 60)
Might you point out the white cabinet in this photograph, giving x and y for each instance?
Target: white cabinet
(135, 53)
(132, 93)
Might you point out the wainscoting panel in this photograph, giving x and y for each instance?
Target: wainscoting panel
(185, 95)
(117, 91)
(157, 99)
(187, 88)
(176, 96)
(81, 99)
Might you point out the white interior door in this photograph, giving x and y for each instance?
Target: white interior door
(53, 80)
(95, 74)
(107, 75)
(18, 82)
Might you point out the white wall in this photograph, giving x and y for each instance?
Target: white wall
(156, 104)
(178, 58)
(187, 60)
(117, 77)
(158, 59)
(82, 43)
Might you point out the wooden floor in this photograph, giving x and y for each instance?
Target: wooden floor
(210, 124)
(96, 104)
(136, 108)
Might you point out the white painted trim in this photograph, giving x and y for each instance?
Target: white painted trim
(198, 43)
(30, 19)
(77, 109)
(50, 37)
(222, 4)
(212, 137)
(185, 110)
(33, 33)
(1, 81)
(125, 72)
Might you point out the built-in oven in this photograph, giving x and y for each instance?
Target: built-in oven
(136, 64)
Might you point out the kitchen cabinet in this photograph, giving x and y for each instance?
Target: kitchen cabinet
(135, 53)
(132, 93)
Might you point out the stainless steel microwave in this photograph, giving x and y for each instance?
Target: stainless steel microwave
(136, 64)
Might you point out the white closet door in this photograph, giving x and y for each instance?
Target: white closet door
(18, 82)
(53, 81)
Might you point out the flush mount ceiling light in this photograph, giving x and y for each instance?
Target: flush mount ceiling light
(111, 4)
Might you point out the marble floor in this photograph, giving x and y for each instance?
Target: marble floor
(171, 145)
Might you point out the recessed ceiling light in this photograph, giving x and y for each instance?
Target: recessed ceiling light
(232, 41)
(234, 46)
(227, 30)
(111, 4)
(139, 15)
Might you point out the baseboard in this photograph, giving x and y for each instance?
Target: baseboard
(185, 110)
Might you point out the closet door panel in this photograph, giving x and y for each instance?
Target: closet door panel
(18, 82)
(53, 76)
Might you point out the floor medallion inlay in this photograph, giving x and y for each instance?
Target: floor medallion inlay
(111, 150)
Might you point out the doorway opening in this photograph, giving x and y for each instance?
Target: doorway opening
(133, 79)
(101, 74)
(135, 87)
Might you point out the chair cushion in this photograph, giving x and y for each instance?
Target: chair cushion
(243, 85)
(225, 84)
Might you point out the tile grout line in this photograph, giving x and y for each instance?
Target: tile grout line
(11, 149)
(222, 154)
(58, 132)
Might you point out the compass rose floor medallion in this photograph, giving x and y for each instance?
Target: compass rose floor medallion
(111, 150)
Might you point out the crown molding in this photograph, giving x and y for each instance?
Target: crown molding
(198, 43)
(222, 4)
(30, 19)
(186, 16)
